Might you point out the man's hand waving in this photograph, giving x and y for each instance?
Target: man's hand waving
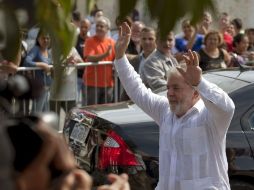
(193, 72)
(123, 40)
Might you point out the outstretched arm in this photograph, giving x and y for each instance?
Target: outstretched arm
(219, 105)
(192, 73)
(123, 40)
(8, 67)
(154, 105)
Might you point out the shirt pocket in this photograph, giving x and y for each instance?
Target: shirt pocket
(194, 140)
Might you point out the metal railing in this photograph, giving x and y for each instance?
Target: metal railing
(29, 106)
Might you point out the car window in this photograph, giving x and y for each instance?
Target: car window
(251, 121)
(247, 119)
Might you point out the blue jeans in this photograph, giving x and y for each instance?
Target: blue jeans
(80, 90)
(41, 104)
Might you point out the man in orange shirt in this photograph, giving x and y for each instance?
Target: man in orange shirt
(99, 80)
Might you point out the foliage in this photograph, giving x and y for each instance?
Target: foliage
(53, 15)
(9, 34)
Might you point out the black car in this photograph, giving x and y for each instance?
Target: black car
(120, 137)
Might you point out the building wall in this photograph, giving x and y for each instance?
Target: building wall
(109, 7)
(243, 9)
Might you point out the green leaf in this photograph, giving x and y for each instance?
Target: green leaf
(89, 5)
(66, 6)
(169, 14)
(154, 7)
(198, 8)
(126, 7)
(11, 35)
(57, 21)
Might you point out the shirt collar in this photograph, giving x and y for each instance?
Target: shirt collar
(142, 54)
(196, 108)
(163, 56)
(199, 105)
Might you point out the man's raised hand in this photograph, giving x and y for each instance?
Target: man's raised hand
(123, 40)
(192, 73)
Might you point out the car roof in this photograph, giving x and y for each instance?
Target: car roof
(120, 113)
(230, 80)
(127, 112)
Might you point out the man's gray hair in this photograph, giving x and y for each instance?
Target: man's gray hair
(139, 23)
(104, 19)
(173, 70)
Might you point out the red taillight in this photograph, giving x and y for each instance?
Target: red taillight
(115, 152)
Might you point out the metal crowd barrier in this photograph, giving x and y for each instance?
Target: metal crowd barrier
(29, 106)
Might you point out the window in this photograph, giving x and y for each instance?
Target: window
(251, 121)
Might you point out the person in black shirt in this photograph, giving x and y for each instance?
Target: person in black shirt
(211, 56)
(134, 46)
(83, 35)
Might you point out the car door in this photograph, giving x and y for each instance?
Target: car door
(248, 127)
(240, 136)
(145, 137)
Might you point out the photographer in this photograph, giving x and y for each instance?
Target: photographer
(53, 154)
(53, 166)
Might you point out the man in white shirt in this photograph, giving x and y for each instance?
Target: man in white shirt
(193, 120)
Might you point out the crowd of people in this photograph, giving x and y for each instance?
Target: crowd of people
(228, 45)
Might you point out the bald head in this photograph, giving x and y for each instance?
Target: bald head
(84, 27)
(136, 29)
(105, 20)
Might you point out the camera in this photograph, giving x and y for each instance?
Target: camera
(25, 140)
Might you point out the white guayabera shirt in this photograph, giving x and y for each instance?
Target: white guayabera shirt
(192, 148)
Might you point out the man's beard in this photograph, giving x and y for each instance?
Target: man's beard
(176, 108)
